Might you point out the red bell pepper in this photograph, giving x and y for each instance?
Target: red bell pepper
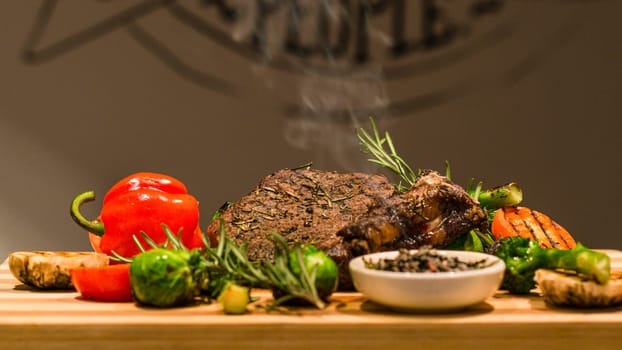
(141, 202)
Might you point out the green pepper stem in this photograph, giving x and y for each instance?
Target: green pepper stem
(93, 226)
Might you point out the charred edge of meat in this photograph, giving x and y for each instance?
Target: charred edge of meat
(348, 214)
(434, 212)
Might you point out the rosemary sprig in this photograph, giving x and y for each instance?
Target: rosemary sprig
(292, 286)
(474, 189)
(447, 170)
(228, 262)
(387, 158)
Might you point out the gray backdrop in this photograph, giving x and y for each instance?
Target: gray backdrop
(91, 91)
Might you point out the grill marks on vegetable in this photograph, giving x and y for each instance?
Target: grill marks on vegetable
(534, 225)
(425, 259)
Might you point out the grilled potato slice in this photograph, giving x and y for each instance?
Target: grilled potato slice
(565, 289)
(51, 270)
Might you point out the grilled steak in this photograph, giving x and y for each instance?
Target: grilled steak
(348, 214)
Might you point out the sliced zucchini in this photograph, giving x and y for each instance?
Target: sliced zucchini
(51, 270)
(566, 289)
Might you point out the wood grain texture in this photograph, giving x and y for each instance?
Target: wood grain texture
(31, 319)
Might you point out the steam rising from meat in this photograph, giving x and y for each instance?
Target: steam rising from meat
(332, 108)
(344, 214)
(335, 98)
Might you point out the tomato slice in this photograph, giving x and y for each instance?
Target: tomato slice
(108, 283)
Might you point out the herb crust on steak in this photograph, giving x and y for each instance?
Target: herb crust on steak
(348, 214)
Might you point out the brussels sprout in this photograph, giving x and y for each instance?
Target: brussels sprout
(326, 271)
(163, 278)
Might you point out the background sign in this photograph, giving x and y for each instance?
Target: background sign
(222, 93)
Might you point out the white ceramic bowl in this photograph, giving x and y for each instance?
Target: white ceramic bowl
(428, 291)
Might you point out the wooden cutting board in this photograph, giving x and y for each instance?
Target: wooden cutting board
(31, 319)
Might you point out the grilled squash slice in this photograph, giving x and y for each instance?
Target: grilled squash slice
(566, 289)
(530, 224)
(51, 270)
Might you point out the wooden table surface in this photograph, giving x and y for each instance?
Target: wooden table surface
(32, 319)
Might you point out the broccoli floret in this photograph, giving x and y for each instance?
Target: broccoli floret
(522, 257)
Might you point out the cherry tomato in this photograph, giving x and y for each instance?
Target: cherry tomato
(108, 283)
(95, 241)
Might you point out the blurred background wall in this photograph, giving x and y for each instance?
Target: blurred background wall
(222, 93)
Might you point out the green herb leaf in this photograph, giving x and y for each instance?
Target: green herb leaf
(389, 159)
(473, 242)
